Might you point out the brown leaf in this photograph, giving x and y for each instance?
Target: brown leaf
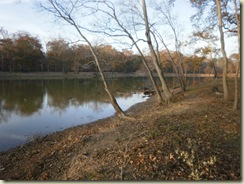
(171, 156)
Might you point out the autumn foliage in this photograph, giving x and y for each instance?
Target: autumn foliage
(22, 52)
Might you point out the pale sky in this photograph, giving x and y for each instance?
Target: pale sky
(24, 16)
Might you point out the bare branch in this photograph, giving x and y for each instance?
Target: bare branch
(64, 11)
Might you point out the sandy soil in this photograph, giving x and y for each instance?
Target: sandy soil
(196, 137)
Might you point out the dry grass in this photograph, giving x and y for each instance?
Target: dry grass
(195, 137)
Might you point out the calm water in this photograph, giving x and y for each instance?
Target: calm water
(29, 108)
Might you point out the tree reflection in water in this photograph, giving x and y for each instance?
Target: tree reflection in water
(38, 107)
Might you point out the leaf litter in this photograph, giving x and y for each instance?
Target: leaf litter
(193, 138)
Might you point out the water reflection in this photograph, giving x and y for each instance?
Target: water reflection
(22, 97)
(37, 107)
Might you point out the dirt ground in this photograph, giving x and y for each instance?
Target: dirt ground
(196, 137)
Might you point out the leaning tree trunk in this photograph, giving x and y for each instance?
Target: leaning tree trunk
(179, 77)
(182, 78)
(113, 101)
(222, 41)
(160, 98)
(165, 88)
(61, 12)
(114, 16)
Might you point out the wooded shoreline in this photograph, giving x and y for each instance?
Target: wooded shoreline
(70, 75)
(153, 146)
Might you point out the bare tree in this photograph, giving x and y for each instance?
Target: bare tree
(63, 10)
(132, 10)
(120, 30)
(180, 77)
(222, 41)
(165, 88)
(164, 10)
(210, 38)
(215, 9)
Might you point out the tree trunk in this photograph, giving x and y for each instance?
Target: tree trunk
(160, 98)
(181, 74)
(113, 101)
(222, 41)
(235, 106)
(61, 12)
(117, 108)
(211, 59)
(179, 77)
(2, 62)
(215, 71)
(165, 88)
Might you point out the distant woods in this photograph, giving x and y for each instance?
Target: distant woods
(22, 52)
(126, 22)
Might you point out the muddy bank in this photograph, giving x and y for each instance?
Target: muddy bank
(197, 136)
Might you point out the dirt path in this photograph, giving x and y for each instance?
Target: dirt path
(195, 137)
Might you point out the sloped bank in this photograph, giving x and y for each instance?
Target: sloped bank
(195, 137)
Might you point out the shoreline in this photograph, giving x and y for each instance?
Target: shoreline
(140, 149)
(129, 112)
(83, 75)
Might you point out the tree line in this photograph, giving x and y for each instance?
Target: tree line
(22, 52)
(126, 20)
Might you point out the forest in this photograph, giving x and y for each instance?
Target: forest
(184, 132)
(22, 52)
(125, 22)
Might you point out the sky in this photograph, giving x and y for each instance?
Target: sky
(25, 16)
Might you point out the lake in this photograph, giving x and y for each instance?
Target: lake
(30, 108)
